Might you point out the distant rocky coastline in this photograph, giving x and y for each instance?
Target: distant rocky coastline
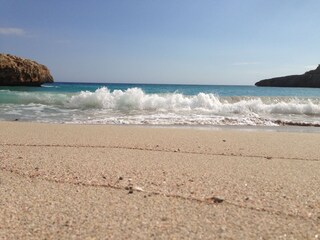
(17, 71)
(310, 79)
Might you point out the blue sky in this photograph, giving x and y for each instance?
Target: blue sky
(164, 41)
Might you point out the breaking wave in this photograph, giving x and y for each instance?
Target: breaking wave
(134, 106)
(134, 99)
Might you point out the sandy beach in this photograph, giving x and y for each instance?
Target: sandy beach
(61, 181)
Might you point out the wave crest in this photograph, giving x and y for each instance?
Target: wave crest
(135, 106)
(134, 99)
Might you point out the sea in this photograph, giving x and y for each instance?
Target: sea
(161, 105)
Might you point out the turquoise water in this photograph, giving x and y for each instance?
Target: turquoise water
(221, 90)
(161, 104)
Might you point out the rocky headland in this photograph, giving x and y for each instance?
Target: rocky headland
(17, 71)
(310, 79)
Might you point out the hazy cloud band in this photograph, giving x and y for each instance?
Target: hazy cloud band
(12, 31)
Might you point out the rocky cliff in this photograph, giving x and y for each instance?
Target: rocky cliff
(309, 79)
(16, 71)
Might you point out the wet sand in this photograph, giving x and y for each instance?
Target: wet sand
(117, 182)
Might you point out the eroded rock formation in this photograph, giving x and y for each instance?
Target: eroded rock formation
(309, 79)
(16, 71)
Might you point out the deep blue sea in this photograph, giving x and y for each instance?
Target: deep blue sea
(161, 104)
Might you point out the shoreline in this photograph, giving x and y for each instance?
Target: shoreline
(106, 181)
(288, 128)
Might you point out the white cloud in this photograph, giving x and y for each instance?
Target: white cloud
(12, 31)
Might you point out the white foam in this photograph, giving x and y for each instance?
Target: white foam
(134, 99)
(133, 106)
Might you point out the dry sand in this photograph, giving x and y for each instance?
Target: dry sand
(120, 182)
